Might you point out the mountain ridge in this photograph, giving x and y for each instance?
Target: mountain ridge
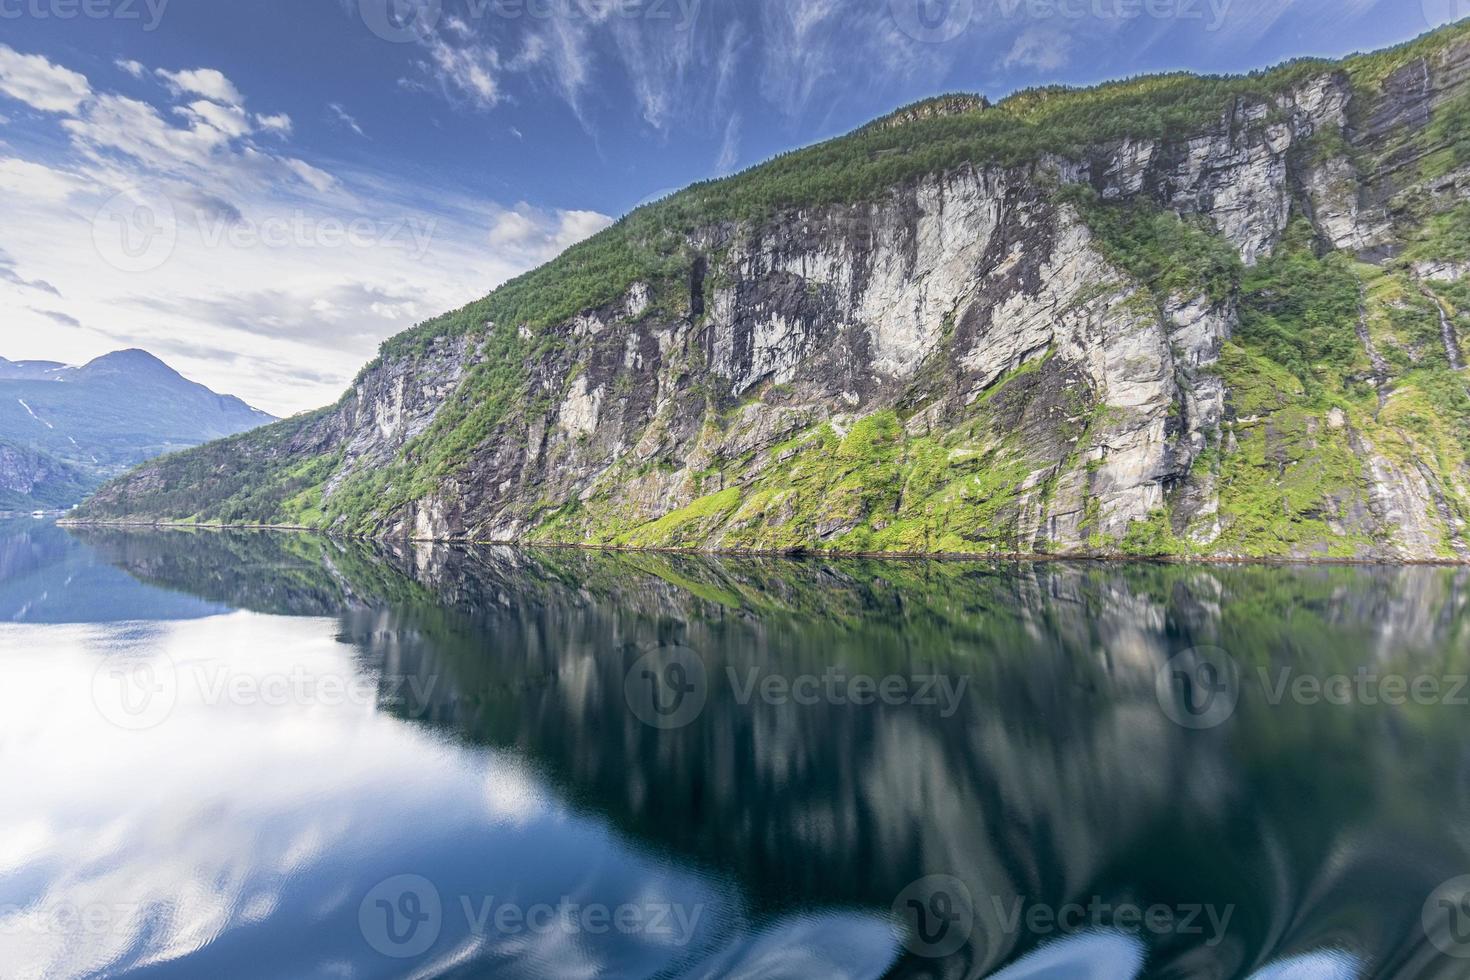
(66, 429)
(1178, 315)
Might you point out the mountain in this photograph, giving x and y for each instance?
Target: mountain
(1176, 315)
(65, 430)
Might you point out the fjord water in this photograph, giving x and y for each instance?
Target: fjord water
(267, 755)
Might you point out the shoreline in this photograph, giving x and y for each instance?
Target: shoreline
(798, 553)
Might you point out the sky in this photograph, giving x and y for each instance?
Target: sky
(260, 193)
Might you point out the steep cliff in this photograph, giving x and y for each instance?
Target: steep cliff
(1173, 316)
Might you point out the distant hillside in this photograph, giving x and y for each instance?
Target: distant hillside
(64, 430)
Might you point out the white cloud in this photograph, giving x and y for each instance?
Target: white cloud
(134, 68)
(37, 82)
(229, 120)
(279, 123)
(35, 181)
(512, 230)
(575, 226)
(208, 82)
(118, 123)
(538, 235)
(1040, 49)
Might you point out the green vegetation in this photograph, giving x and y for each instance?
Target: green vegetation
(1173, 256)
(1445, 237)
(1449, 129)
(1301, 311)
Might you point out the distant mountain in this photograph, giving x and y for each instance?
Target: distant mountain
(30, 479)
(65, 430)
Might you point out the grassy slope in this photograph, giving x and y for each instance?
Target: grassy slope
(1300, 350)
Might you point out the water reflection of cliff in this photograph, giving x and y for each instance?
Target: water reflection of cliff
(1058, 779)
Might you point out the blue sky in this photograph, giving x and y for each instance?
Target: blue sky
(261, 192)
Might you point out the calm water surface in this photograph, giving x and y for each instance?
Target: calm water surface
(255, 755)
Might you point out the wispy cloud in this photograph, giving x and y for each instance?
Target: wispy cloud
(208, 82)
(9, 273)
(1039, 48)
(342, 117)
(279, 123)
(729, 147)
(57, 317)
